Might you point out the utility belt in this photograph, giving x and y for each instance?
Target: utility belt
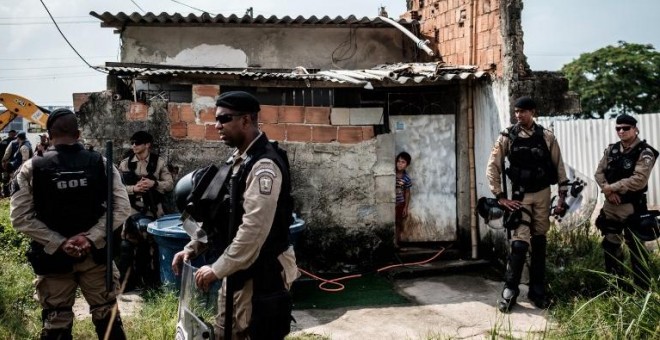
(59, 262)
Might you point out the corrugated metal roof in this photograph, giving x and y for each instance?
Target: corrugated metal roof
(383, 75)
(122, 19)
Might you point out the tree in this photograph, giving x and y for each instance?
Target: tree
(617, 79)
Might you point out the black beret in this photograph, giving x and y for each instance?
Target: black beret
(238, 101)
(56, 114)
(626, 119)
(142, 137)
(525, 103)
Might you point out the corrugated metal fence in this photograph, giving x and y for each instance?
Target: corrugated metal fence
(583, 142)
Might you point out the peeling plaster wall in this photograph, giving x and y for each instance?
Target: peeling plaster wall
(344, 192)
(267, 47)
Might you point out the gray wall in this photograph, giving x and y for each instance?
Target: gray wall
(267, 47)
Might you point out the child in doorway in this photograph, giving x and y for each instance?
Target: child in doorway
(403, 185)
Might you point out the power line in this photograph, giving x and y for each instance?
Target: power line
(46, 23)
(195, 8)
(61, 58)
(65, 39)
(54, 76)
(138, 6)
(39, 68)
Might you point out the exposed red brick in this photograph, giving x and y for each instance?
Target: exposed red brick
(317, 115)
(211, 132)
(173, 112)
(274, 131)
(207, 115)
(269, 114)
(79, 99)
(196, 131)
(298, 133)
(292, 114)
(137, 111)
(206, 90)
(349, 134)
(179, 130)
(368, 132)
(186, 112)
(324, 133)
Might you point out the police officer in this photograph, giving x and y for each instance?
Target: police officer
(147, 180)
(61, 205)
(258, 260)
(534, 164)
(4, 144)
(18, 152)
(623, 174)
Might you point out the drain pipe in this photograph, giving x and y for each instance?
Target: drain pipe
(419, 42)
(474, 225)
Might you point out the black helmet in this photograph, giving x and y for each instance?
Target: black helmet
(489, 209)
(182, 191)
(646, 229)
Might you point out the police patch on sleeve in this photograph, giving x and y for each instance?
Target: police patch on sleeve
(265, 184)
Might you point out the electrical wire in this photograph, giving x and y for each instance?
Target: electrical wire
(195, 8)
(340, 287)
(138, 6)
(67, 40)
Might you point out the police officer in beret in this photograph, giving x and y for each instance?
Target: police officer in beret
(258, 261)
(60, 203)
(535, 163)
(622, 175)
(147, 180)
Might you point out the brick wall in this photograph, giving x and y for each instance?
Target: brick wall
(460, 40)
(196, 121)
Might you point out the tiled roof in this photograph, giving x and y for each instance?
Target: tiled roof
(401, 74)
(122, 19)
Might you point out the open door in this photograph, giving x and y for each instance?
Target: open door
(431, 142)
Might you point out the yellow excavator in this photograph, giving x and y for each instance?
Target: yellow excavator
(16, 105)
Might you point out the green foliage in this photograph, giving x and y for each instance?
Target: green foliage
(624, 79)
(591, 304)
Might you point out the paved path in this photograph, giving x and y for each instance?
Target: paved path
(456, 306)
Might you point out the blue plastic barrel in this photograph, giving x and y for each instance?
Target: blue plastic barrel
(171, 238)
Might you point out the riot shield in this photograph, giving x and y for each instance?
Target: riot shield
(196, 308)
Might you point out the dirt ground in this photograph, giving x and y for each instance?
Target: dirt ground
(456, 306)
(447, 306)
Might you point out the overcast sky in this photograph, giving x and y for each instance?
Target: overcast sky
(37, 63)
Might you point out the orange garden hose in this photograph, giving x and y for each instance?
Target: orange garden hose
(341, 287)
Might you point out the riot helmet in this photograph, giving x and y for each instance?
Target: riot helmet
(182, 191)
(489, 209)
(646, 229)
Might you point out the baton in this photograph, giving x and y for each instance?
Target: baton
(108, 217)
(229, 296)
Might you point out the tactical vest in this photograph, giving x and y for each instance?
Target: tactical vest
(622, 165)
(16, 156)
(69, 189)
(151, 198)
(530, 163)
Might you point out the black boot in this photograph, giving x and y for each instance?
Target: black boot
(512, 276)
(53, 333)
(536, 292)
(126, 259)
(639, 261)
(116, 330)
(614, 260)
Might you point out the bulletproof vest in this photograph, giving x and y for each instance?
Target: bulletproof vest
(622, 165)
(4, 144)
(16, 156)
(278, 238)
(153, 196)
(69, 189)
(530, 163)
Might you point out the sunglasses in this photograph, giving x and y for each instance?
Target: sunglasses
(624, 128)
(136, 143)
(226, 118)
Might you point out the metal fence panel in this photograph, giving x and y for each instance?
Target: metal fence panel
(583, 142)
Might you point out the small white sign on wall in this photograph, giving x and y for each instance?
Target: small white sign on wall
(400, 126)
